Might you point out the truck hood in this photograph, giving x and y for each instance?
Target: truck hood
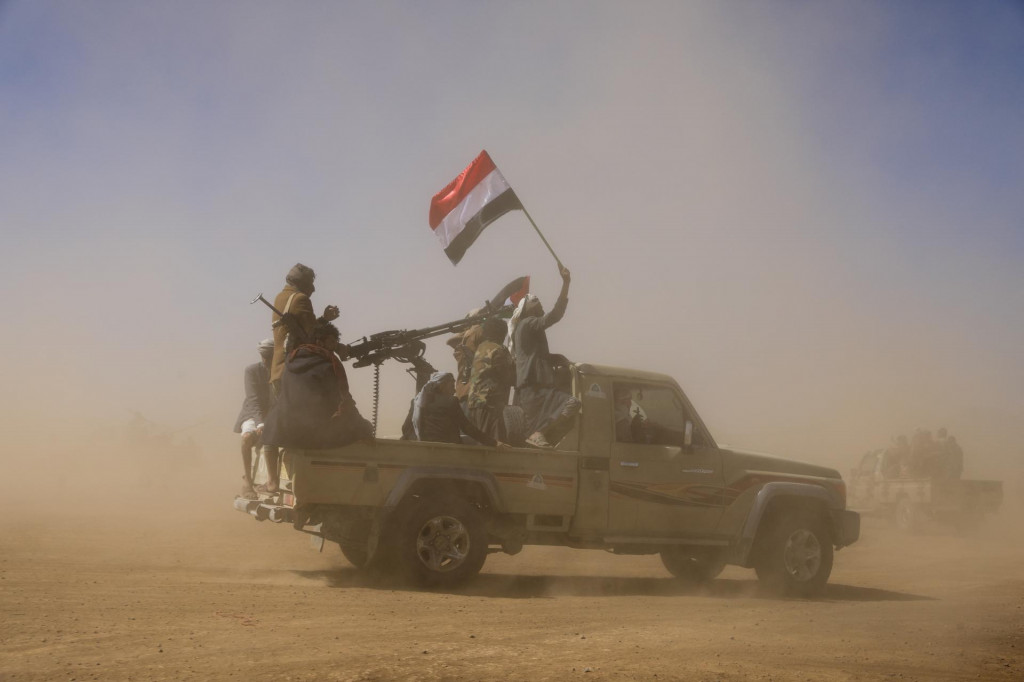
(758, 461)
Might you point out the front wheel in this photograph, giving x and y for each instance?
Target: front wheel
(795, 555)
(442, 542)
(693, 565)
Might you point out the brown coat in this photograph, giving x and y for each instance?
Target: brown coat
(302, 308)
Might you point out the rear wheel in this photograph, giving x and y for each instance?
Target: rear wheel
(795, 555)
(693, 564)
(441, 542)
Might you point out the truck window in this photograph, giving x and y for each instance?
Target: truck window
(648, 414)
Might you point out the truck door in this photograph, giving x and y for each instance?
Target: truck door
(595, 435)
(665, 475)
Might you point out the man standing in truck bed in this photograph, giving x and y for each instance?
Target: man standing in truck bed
(549, 411)
(294, 300)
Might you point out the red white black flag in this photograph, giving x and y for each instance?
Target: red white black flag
(470, 202)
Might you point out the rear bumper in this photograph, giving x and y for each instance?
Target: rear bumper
(262, 510)
(845, 527)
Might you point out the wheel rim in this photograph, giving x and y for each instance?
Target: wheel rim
(802, 555)
(442, 544)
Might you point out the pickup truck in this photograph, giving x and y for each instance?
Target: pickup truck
(912, 502)
(638, 474)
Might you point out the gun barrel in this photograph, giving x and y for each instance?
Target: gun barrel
(376, 348)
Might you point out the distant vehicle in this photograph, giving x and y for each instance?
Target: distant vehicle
(911, 502)
(639, 474)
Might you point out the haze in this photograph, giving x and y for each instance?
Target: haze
(808, 213)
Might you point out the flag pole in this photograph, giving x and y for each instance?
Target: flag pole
(541, 235)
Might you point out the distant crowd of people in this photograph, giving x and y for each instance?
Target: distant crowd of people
(920, 456)
(298, 395)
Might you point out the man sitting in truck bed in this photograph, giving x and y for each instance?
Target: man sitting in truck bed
(254, 412)
(437, 416)
(493, 373)
(550, 412)
(314, 408)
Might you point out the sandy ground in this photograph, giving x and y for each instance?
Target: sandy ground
(153, 594)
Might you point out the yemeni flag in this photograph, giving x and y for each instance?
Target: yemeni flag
(470, 202)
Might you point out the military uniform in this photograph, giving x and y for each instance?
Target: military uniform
(491, 378)
(464, 348)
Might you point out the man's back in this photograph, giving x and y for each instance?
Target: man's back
(293, 301)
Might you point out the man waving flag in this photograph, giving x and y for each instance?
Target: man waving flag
(470, 202)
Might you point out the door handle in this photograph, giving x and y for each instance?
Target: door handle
(632, 465)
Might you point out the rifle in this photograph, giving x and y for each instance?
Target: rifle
(289, 320)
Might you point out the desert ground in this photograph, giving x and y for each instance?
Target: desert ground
(178, 588)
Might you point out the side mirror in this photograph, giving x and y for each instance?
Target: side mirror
(688, 434)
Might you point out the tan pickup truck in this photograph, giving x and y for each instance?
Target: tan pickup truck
(639, 474)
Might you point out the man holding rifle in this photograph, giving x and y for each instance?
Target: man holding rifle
(297, 329)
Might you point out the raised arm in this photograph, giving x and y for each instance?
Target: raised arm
(556, 312)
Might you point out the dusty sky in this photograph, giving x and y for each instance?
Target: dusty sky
(810, 214)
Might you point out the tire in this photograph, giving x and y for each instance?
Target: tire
(355, 553)
(908, 515)
(795, 555)
(441, 542)
(693, 564)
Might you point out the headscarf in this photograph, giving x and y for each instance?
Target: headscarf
(513, 321)
(299, 275)
(266, 345)
(417, 405)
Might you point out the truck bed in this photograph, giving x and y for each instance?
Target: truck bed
(526, 480)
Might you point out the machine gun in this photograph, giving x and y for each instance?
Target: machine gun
(407, 346)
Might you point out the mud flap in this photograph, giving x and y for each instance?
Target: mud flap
(316, 540)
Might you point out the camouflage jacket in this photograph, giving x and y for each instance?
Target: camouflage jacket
(463, 348)
(493, 375)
